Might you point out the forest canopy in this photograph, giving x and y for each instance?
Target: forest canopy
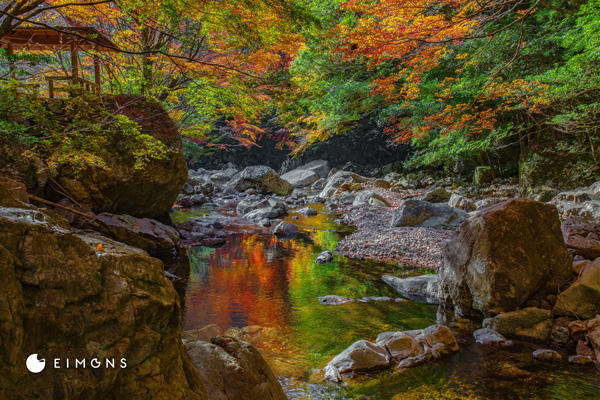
(457, 80)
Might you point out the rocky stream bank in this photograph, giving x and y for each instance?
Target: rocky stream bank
(503, 270)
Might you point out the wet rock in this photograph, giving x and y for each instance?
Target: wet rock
(436, 195)
(318, 185)
(582, 298)
(194, 200)
(285, 230)
(234, 370)
(580, 360)
(441, 340)
(501, 258)
(531, 323)
(422, 288)
(333, 300)
(86, 296)
(547, 355)
(461, 202)
(332, 374)
(582, 236)
(593, 335)
(307, 212)
(156, 238)
(266, 212)
(300, 178)
(13, 193)
(224, 176)
(361, 356)
(337, 180)
(368, 299)
(324, 258)
(260, 177)
(428, 215)
(367, 197)
(400, 345)
(488, 336)
(250, 204)
(580, 265)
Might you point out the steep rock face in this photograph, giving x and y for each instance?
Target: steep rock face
(234, 370)
(73, 296)
(122, 189)
(502, 257)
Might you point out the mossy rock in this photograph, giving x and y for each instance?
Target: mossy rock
(483, 174)
(557, 170)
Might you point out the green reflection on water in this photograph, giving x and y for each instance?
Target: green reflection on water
(256, 280)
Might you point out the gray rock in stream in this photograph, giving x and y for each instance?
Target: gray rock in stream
(423, 288)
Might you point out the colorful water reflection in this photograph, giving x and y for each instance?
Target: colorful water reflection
(265, 291)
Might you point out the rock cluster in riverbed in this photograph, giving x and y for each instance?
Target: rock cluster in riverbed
(403, 349)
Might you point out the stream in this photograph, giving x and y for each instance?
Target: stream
(265, 291)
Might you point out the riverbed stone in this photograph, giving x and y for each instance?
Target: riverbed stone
(547, 355)
(580, 360)
(530, 323)
(488, 336)
(156, 238)
(400, 345)
(361, 356)
(421, 213)
(307, 211)
(583, 236)
(461, 202)
(582, 298)
(335, 300)
(501, 258)
(436, 195)
(368, 197)
(324, 258)
(422, 288)
(262, 178)
(300, 178)
(337, 180)
(285, 230)
(234, 370)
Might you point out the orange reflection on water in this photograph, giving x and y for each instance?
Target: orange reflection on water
(242, 283)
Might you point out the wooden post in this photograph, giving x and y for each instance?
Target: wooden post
(97, 73)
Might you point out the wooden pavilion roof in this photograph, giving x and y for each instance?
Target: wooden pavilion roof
(60, 38)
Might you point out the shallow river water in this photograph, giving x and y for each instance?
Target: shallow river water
(266, 292)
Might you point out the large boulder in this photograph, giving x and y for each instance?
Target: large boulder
(121, 186)
(367, 197)
(427, 215)
(262, 178)
(400, 345)
(530, 323)
(436, 195)
(335, 181)
(581, 299)
(361, 356)
(234, 370)
(319, 167)
(502, 257)
(67, 295)
(156, 238)
(423, 288)
(300, 178)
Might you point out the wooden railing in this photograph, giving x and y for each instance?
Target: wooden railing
(84, 84)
